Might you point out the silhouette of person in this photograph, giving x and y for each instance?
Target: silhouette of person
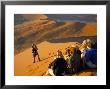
(35, 52)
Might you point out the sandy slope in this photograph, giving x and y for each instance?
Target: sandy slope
(23, 62)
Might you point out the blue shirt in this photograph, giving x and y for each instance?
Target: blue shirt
(90, 55)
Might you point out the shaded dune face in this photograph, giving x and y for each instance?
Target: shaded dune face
(43, 29)
(73, 39)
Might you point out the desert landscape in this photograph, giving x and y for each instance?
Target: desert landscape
(50, 33)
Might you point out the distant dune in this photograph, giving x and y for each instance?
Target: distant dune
(33, 17)
(85, 18)
(21, 18)
(73, 39)
(38, 31)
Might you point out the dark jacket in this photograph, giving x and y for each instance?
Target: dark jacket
(59, 66)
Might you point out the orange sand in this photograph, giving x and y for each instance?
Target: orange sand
(23, 62)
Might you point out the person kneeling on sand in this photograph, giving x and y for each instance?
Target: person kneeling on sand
(90, 55)
(59, 66)
(35, 52)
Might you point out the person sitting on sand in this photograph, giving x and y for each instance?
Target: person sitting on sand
(35, 52)
(59, 66)
(75, 61)
(90, 55)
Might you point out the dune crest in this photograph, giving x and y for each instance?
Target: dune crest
(41, 30)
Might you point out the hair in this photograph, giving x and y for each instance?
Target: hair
(89, 43)
(59, 54)
(33, 45)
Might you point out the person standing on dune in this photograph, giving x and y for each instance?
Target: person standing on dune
(35, 52)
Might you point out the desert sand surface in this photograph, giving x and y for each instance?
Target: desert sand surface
(24, 66)
(50, 35)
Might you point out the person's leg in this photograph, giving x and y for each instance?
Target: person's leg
(34, 60)
(38, 57)
(34, 57)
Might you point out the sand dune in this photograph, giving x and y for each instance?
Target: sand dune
(50, 35)
(42, 30)
(73, 39)
(33, 17)
(21, 18)
(23, 62)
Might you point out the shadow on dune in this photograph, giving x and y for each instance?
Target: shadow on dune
(73, 39)
(79, 25)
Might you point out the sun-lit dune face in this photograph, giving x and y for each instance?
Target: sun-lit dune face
(23, 63)
(35, 17)
(24, 66)
(90, 29)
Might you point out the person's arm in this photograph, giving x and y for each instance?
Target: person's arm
(83, 54)
(36, 48)
(50, 65)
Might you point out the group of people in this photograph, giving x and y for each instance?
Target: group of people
(76, 59)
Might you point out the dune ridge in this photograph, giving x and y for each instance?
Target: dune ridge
(43, 30)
